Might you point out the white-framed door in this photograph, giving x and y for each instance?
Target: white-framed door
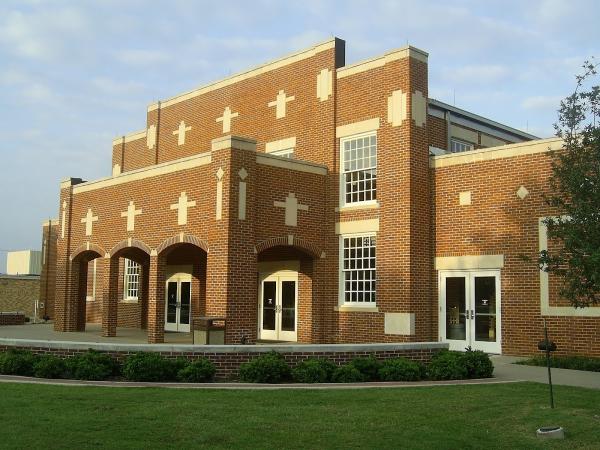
(178, 302)
(470, 310)
(278, 306)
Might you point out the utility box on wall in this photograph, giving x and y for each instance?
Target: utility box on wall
(24, 262)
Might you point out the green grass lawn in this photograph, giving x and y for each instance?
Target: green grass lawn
(476, 416)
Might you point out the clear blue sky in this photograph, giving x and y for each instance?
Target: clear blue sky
(76, 74)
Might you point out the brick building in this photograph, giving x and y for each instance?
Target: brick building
(306, 200)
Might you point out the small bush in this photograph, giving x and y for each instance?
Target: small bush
(92, 365)
(49, 366)
(313, 370)
(347, 373)
(447, 365)
(151, 366)
(400, 369)
(368, 367)
(268, 368)
(17, 362)
(478, 364)
(199, 371)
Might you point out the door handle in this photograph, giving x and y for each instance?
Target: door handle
(472, 315)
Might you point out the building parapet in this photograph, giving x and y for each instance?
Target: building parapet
(292, 164)
(380, 61)
(492, 153)
(134, 136)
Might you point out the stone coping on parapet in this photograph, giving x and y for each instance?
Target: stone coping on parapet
(380, 61)
(491, 153)
(257, 70)
(292, 164)
(133, 136)
(189, 348)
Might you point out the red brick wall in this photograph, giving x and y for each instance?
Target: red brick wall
(498, 222)
(48, 274)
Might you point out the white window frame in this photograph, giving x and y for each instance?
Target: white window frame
(284, 153)
(128, 277)
(343, 172)
(470, 145)
(342, 279)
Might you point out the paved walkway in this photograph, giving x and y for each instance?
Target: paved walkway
(92, 333)
(504, 370)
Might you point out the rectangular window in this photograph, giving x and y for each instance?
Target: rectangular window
(285, 153)
(359, 168)
(457, 146)
(132, 280)
(358, 269)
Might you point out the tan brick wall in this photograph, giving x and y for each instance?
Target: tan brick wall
(19, 294)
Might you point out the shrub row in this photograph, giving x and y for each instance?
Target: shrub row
(93, 365)
(566, 362)
(268, 368)
(445, 365)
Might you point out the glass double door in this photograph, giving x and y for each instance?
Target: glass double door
(470, 310)
(278, 303)
(178, 304)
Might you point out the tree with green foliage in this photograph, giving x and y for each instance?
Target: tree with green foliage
(575, 193)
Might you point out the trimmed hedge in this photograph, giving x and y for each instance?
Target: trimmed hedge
(92, 365)
(565, 362)
(368, 366)
(49, 366)
(447, 365)
(267, 368)
(478, 364)
(401, 369)
(348, 373)
(150, 366)
(313, 370)
(199, 371)
(17, 362)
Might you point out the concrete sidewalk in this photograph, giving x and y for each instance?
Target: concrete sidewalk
(505, 370)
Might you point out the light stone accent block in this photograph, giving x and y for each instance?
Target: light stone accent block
(399, 324)
(280, 104)
(130, 214)
(89, 220)
(219, 205)
(324, 84)
(180, 132)
(182, 206)
(419, 108)
(522, 192)
(63, 219)
(464, 198)
(226, 119)
(397, 108)
(292, 207)
(116, 170)
(243, 174)
(151, 137)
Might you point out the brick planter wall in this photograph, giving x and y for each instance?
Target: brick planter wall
(228, 358)
(12, 318)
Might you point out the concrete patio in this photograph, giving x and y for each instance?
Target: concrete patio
(93, 333)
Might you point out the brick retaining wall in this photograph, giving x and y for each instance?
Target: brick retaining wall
(12, 318)
(228, 358)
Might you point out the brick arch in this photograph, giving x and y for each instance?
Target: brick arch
(130, 243)
(182, 239)
(87, 247)
(291, 241)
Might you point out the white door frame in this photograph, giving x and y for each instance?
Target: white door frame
(178, 274)
(469, 279)
(278, 334)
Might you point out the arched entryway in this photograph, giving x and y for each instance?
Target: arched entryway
(285, 293)
(178, 289)
(75, 311)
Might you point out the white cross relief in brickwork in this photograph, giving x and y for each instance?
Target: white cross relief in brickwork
(292, 207)
(130, 214)
(180, 132)
(280, 104)
(89, 220)
(182, 206)
(226, 119)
